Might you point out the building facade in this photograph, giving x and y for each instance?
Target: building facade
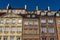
(23, 24)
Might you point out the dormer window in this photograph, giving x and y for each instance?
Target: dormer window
(49, 13)
(28, 16)
(57, 14)
(33, 16)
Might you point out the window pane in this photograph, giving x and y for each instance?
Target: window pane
(5, 38)
(19, 21)
(30, 31)
(35, 31)
(13, 21)
(13, 29)
(11, 38)
(50, 20)
(7, 21)
(19, 29)
(43, 20)
(25, 22)
(36, 23)
(30, 22)
(51, 30)
(18, 38)
(0, 28)
(1, 21)
(43, 38)
(43, 30)
(6, 28)
(28, 16)
(51, 38)
(33, 16)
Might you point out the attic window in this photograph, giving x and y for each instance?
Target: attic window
(9, 11)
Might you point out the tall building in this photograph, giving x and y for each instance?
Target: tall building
(58, 23)
(23, 24)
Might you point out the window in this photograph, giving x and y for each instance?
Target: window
(19, 21)
(6, 28)
(57, 14)
(59, 29)
(18, 38)
(43, 38)
(28, 16)
(36, 23)
(33, 16)
(7, 21)
(13, 21)
(30, 22)
(11, 38)
(1, 21)
(50, 20)
(12, 29)
(59, 22)
(30, 31)
(43, 20)
(5, 38)
(43, 30)
(51, 30)
(51, 38)
(9, 11)
(19, 29)
(25, 31)
(35, 31)
(0, 28)
(0, 38)
(25, 22)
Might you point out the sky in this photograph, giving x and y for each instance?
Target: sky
(31, 4)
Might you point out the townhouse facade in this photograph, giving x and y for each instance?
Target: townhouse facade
(23, 24)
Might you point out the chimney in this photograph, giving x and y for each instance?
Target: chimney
(8, 6)
(48, 8)
(36, 7)
(25, 6)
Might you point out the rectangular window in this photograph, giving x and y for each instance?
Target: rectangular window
(36, 23)
(59, 29)
(6, 28)
(43, 30)
(0, 28)
(35, 31)
(12, 29)
(0, 37)
(28, 16)
(59, 22)
(19, 29)
(51, 30)
(43, 20)
(33, 16)
(25, 22)
(7, 21)
(43, 13)
(43, 38)
(13, 21)
(51, 38)
(30, 31)
(18, 38)
(11, 38)
(1, 21)
(25, 31)
(50, 20)
(30, 22)
(19, 21)
(5, 38)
